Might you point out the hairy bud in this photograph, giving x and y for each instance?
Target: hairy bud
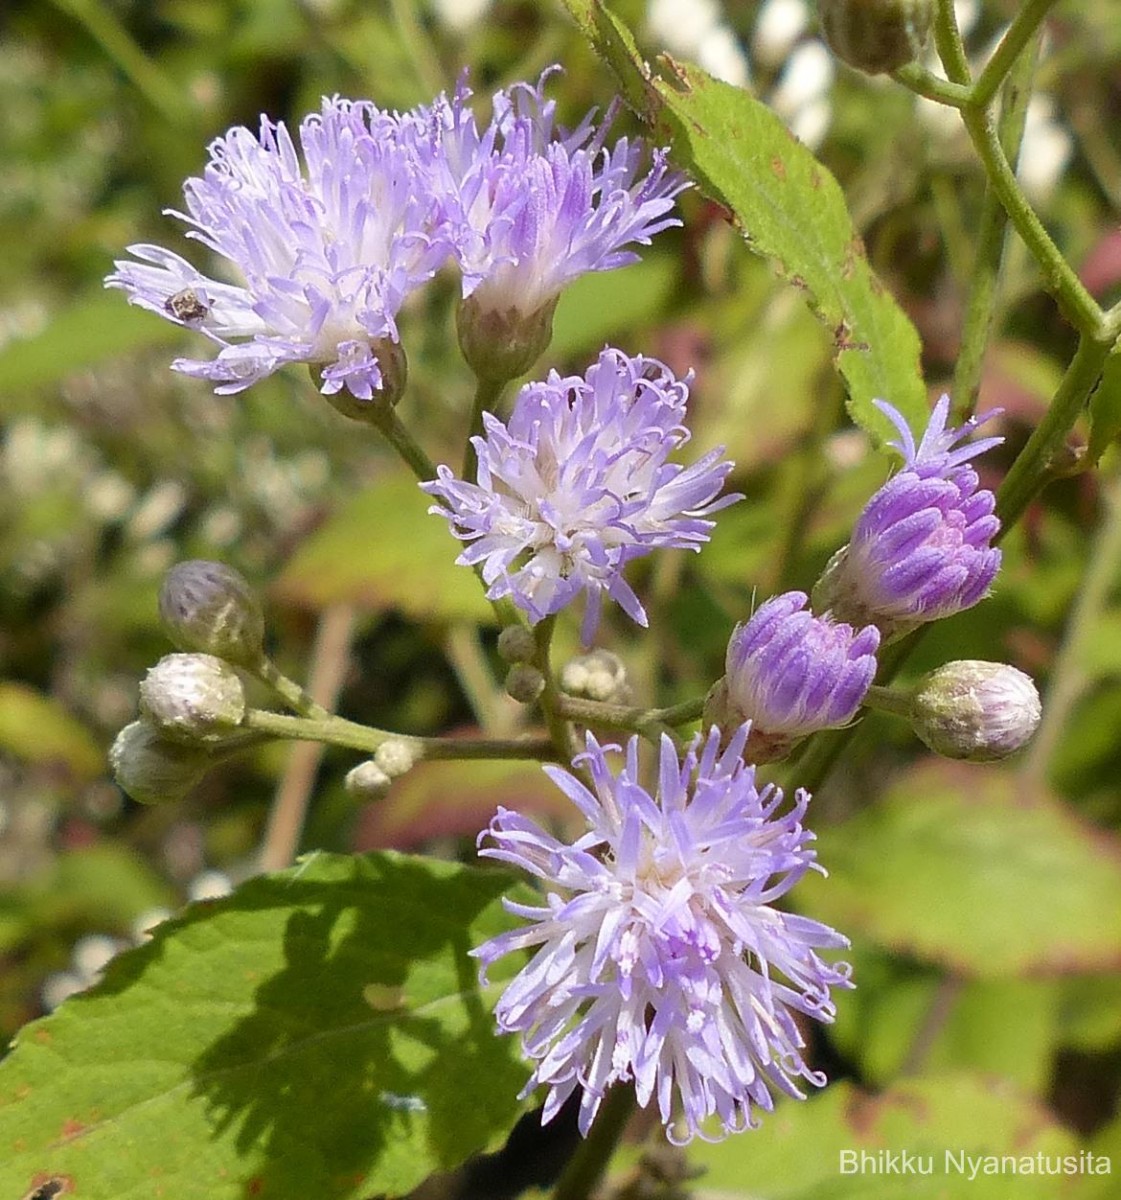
(152, 768)
(599, 675)
(974, 710)
(876, 36)
(524, 683)
(193, 698)
(516, 644)
(395, 757)
(367, 781)
(210, 608)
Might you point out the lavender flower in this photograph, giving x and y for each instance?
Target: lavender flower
(529, 208)
(791, 673)
(577, 484)
(921, 549)
(657, 949)
(324, 255)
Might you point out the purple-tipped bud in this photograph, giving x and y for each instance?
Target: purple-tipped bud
(921, 549)
(792, 673)
(210, 608)
(975, 710)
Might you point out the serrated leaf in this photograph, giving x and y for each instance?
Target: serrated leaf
(383, 550)
(953, 866)
(37, 729)
(788, 207)
(318, 1033)
(811, 1150)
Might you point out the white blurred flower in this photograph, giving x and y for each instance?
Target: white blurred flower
(147, 921)
(721, 55)
(59, 987)
(696, 29)
(780, 24)
(1045, 151)
(801, 97)
(91, 955)
(460, 15)
(209, 885)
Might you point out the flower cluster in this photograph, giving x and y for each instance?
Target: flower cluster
(577, 484)
(325, 253)
(658, 951)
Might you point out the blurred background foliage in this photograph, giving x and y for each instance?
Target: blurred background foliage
(112, 468)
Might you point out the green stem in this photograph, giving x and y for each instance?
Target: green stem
(1016, 37)
(550, 700)
(923, 82)
(1032, 469)
(385, 420)
(425, 60)
(337, 731)
(590, 1162)
(947, 38)
(889, 700)
(981, 305)
(645, 721)
(290, 692)
(1068, 675)
(1060, 279)
(487, 394)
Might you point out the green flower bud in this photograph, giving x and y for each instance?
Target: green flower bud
(152, 768)
(367, 781)
(394, 367)
(876, 36)
(193, 698)
(524, 683)
(209, 608)
(501, 344)
(516, 644)
(977, 711)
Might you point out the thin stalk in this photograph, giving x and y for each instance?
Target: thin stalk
(337, 731)
(425, 60)
(590, 1162)
(385, 419)
(1025, 24)
(889, 700)
(493, 709)
(940, 1010)
(924, 83)
(947, 37)
(297, 699)
(560, 731)
(1059, 277)
(487, 394)
(1033, 467)
(1068, 676)
(983, 289)
(628, 717)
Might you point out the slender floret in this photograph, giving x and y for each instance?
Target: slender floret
(578, 484)
(792, 673)
(922, 549)
(321, 256)
(658, 957)
(530, 207)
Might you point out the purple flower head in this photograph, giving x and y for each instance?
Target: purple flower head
(529, 207)
(578, 483)
(657, 949)
(921, 550)
(791, 673)
(323, 255)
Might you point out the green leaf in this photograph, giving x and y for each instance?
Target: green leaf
(1105, 410)
(37, 729)
(797, 1155)
(954, 866)
(788, 207)
(94, 328)
(318, 1033)
(384, 550)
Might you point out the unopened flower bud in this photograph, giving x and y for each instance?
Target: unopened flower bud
(152, 768)
(974, 710)
(516, 644)
(500, 344)
(367, 781)
(524, 683)
(876, 36)
(599, 675)
(210, 608)
(358, 400)
(193, 698)
(396, 757)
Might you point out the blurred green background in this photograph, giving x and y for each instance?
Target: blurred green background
(990, 947)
